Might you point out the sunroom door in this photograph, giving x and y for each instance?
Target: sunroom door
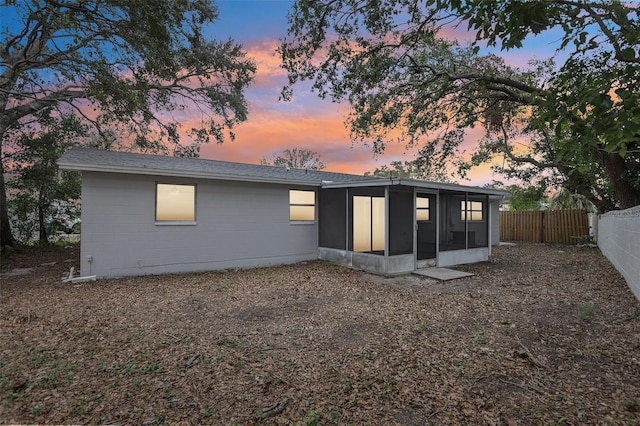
(426, 226)
(368, 224)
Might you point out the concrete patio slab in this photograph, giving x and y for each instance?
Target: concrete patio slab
(442, 274)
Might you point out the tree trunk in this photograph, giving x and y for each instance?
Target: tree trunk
(6, 236)
(615, 167)
(43, 237)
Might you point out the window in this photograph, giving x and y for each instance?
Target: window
(302, 205)
(368, 224)
(422, 209)
(472, 211)
(175, 203)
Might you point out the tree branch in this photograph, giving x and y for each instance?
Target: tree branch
(66, 95)
(603, 27)
(509, 153)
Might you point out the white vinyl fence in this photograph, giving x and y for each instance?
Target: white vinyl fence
(619, 241)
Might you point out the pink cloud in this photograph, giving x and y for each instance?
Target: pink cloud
(270, 131)
(305, 122)
(457, 31)
(269, 75)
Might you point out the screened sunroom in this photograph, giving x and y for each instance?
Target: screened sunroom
(396, 226)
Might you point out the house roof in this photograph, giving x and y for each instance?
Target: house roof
(94, 160)
(420, 184)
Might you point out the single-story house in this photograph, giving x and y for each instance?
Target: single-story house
(149, 214)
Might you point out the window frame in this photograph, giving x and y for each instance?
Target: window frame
(427, 209)
(314, 205)
(466, 213)
(164, 222)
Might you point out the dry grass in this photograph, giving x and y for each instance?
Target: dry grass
(540, 335)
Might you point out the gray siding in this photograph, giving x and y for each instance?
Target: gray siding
(239, 224)
(494, 226)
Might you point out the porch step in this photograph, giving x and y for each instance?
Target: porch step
(442, 274)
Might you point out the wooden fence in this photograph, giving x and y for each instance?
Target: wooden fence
(561, 226)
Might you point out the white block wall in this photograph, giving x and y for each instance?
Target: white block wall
(619, 241)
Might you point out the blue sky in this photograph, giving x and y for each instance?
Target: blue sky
(248, 20)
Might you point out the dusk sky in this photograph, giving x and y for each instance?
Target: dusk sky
(307, 121)
(273, 125)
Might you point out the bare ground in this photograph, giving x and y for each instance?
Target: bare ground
(542, 334)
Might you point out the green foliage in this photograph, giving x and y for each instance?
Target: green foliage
(131, 61)
(564, 199)
(210, 412)
(125, 68)
(526, 198)
(313, 417)
(407, 80)
(420, 168)
(631, 405)
(42, 196)
(296, 158)
(585, 312)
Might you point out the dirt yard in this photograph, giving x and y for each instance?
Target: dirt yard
(542, 334)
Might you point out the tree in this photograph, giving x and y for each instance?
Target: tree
(127, 66)
(296, 158)
(410, 170)
(389, 59)
(426, 166)
(526, 197)
(38, 184)
(565, 199)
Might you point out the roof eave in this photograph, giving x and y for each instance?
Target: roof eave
(358, 183)
(180, 173)
(452, 187)
(416, 183)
